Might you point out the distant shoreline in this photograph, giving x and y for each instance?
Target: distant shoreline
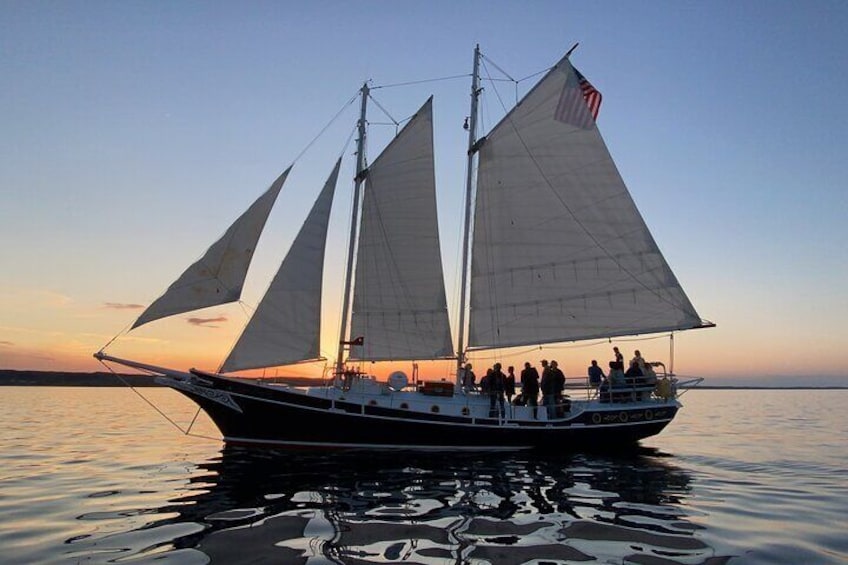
(10, 377)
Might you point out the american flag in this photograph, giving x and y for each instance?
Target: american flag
(579, 102)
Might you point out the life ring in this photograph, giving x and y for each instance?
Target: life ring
(623, 417)
(596, 418)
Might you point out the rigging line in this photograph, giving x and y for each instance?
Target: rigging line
(132, 388)
(124, 331)
(537, 73)
(503, 72)
(326, 127)
(564, 204)
(386, 112)
(413, 82)
(193, 420)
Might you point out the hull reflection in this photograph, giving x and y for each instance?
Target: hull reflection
(359, 508)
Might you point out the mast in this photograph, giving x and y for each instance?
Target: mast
(469, 182)
(357, 188)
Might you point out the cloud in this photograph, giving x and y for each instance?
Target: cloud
(7, 343)
(203, 322)
(123, 306)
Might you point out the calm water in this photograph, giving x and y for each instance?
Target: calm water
(96, 476)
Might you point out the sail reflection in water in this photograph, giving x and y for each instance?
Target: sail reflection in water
(431, 509)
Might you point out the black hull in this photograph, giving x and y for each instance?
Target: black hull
(250, 414)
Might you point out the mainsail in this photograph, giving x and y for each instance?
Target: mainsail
(218, 276)
(286, 326)
(399, 303)
(560, 252)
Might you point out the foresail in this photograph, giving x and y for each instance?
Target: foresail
(560, 252)
(286, 326)
(399, 304)
(218, 276)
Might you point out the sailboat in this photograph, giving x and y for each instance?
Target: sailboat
(554, 250)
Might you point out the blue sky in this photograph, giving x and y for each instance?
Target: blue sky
(133, 132)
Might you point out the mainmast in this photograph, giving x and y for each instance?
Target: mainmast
(354, 224)
(469, 183)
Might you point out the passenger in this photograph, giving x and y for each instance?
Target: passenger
(530, 387)
(496, 391)
(633, 373)
(469, 379)
(548, 390)
(619, 358)
(596, 374)
(637, 358)
(509, 384)
(559, 388)
(616, 375)
(484, 382)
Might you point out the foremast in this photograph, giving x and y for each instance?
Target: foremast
(354, 225)
(466, 235)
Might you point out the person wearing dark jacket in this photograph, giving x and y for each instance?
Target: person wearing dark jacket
(509, 384)
(530, 386)
(559, 387)
(496, 391)
(548, 386)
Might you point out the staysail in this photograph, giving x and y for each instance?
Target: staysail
(218, 276)
(399, 303)
(286, 326)
(560, 252)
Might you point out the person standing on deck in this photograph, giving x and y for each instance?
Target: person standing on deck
(548, 390)
(496, 391)
(619, 358)
(559, 387)
(509, 384)
(639, 361)
(530, 387)
(469, 379)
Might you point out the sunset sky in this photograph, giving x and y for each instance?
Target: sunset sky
(133, 133)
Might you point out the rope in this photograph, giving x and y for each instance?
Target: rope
(326, 127)
(413, 82)
(132, 388)
(386, 112)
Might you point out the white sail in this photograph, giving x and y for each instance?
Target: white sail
(560, 252)
(218, 276)
(399, 304)
(286, 326)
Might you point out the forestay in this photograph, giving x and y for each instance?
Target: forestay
(286, 326)
(399, 303)
(560, 251)
(218, 276)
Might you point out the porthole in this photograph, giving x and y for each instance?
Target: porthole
(649, 414)
(404, 406)
(434, 409)
(372, 402)
(466, 411)
(623, 417)
(596, 418)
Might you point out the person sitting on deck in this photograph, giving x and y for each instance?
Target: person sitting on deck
(614, 380)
